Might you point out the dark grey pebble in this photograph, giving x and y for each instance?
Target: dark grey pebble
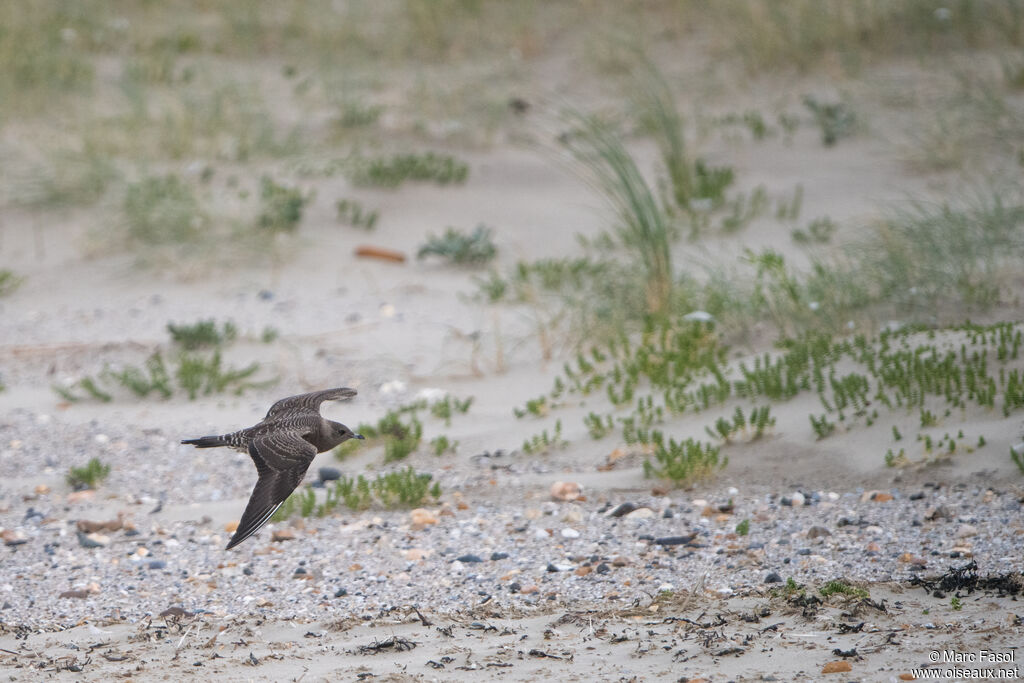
(329, 473)
(265, 295)
(817, 531)
(300, 571)
(87, 542)
(667, 514)
(603, 568)
(469, 558)
(803, 551)
(552, 568)
(514, 587)
(917, 496)
(498, 556)
(247, 571)
(622, 509)
(675, 540)
(773, 577)
(786, 502)
(340, 593)
(755, 546)
(157, 564)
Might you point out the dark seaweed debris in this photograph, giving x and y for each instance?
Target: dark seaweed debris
(966, 579)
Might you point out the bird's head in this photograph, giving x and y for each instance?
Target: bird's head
(342, 433)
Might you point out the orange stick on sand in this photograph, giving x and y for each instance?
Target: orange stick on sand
(367, 251)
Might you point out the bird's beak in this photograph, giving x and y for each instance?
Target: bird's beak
(358, 436)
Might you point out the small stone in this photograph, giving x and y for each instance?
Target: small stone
(416, 554)
(675, 540)
(620, 561)
(421, 517)
(94, 540)
(231, 527)
(818, 532)
(603, 568)
(527, 590)
(541, 534)
(798, 499)
(875, 496)
(907, 558)
(583, 571)
(77, 594)
(281, 535)
(81, 496)
(566, 491)
(937, 512)
(157, 564)
(498, 556)
(840, 666)
(773, 577)
(329, 474)
(469, 558)
(621, 510)
(966, 531)
(917, 496)
(873, 547)
(42, 490)
(803, 551)
(13, 538)
(570, 533)
(573, 514)
(641, 513)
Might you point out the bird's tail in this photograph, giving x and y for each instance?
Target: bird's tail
(208, 441)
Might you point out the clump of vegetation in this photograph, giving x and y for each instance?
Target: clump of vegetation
(442, 444)
(759, 420)
(355, 114)
(743, 528)
(544, 442)
(474, 248)
(89, 476)
(353, 213)
(9, 282)
(403, 488)
(400, 431)
(204, 333)
(819, 231)
(444, 408)
(392, 171)
(162, 210)
(281, 206)
(836, 120)
(682, 462)
(837, 587)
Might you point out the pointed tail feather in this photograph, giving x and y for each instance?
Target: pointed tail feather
(207, 442)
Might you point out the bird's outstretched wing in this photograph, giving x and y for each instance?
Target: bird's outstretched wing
(282, 459)
(304, 404)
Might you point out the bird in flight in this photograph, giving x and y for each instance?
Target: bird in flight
(282, 445)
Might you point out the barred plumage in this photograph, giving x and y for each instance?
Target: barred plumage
(282, 446)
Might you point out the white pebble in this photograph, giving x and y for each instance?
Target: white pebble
(570, 533)
(101, 438)
(540, 533)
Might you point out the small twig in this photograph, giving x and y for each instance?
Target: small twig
(184, 635)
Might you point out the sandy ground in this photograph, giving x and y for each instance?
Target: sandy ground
(359, 323)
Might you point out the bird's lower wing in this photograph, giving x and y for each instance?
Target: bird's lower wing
(282, 461)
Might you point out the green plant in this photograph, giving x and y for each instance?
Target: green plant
(281, 206)
(1017, 455)
(9, 282)
(836, 120)
(743, 528)
(162, 210)
(269, 334)
(352, 212)
(642, 226)
(543, 442)
(682, 462)
(143, 382)
(837, 587)
(442, 444)
(956, 603)
(201, 334)
(404, 487)
(819, 231)
(89, 476)
(392, 171)
(355, 114)
(457, 247)
(444, 408)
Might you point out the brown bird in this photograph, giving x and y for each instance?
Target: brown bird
(282, 445)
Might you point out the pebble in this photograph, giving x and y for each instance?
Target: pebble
(641, 513)
(340, 593)
(966, 531)
(566, 491)
(570, 533)
(13, 538)
(818, 532)
(622, 509)
(798, 499)
(498, 556)
(94, 540)
(603, 568)
(281, 535)
(157, 564)
(469, 558)
(675, 540)
(329, 474)
(540, 533)
(773, 577)
(421, 517)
